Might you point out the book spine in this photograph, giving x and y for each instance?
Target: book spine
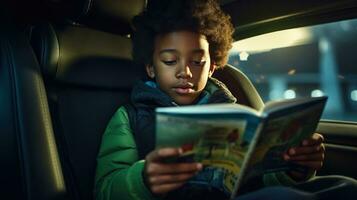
(247, 159)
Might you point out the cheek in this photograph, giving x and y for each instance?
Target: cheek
(160, 71)
(164, 78)
(201, 73)
(202, 80)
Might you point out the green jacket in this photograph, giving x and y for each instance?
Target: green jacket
(119, 170)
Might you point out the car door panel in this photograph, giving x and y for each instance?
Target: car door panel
(341, 148)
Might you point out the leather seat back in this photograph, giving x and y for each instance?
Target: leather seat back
(88, 75)
(30, 166)
(240, 86)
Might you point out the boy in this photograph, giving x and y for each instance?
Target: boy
(181, 44)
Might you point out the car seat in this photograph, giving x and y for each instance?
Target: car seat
(30, 166)
(88, 74)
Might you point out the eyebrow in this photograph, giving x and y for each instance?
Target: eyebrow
(175, 51)
(168, 51)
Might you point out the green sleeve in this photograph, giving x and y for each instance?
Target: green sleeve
(119, 172)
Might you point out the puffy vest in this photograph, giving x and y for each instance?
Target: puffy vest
(141, 113)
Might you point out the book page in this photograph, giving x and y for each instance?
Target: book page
(278, 135)
(220, 144)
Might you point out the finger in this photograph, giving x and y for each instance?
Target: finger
(305, 150)
(165, 188)
(170, 178)
(316, 138)
(172, 168)
(315, 165)
(308, 157)
(159, 154)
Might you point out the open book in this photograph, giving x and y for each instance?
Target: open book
(235, 142)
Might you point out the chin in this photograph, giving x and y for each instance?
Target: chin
(184, 101)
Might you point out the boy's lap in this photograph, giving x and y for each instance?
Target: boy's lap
(276, 193)
(331, 187)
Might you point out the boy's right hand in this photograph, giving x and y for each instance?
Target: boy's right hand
(163, 177)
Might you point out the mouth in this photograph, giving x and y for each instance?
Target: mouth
(184, 89)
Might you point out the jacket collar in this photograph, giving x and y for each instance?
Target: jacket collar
(147, 93)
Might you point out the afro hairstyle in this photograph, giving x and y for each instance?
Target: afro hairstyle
(165, 16)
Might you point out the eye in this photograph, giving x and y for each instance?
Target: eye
(198, 63)
(169, 62)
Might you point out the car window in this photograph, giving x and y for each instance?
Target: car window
(308, 61)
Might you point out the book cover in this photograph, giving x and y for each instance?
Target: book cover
(234, 142)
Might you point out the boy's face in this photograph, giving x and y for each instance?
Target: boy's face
(181, 65)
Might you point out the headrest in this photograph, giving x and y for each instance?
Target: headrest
(109, 15)
(84, 56)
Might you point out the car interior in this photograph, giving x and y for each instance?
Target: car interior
(66, 68)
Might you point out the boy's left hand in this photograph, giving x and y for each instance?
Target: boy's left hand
(310, 153)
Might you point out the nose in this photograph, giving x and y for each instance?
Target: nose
(184, 71)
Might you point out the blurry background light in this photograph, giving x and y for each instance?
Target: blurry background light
(278, 39)
(354, 95)
(291, 71)
(289, 94)
(317, 93)
(243, 56)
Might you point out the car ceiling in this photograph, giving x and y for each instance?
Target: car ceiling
(250, 17)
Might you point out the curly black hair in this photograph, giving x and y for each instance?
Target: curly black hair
(200, 16)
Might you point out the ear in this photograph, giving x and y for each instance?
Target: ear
(150, 71)
(211, 69)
